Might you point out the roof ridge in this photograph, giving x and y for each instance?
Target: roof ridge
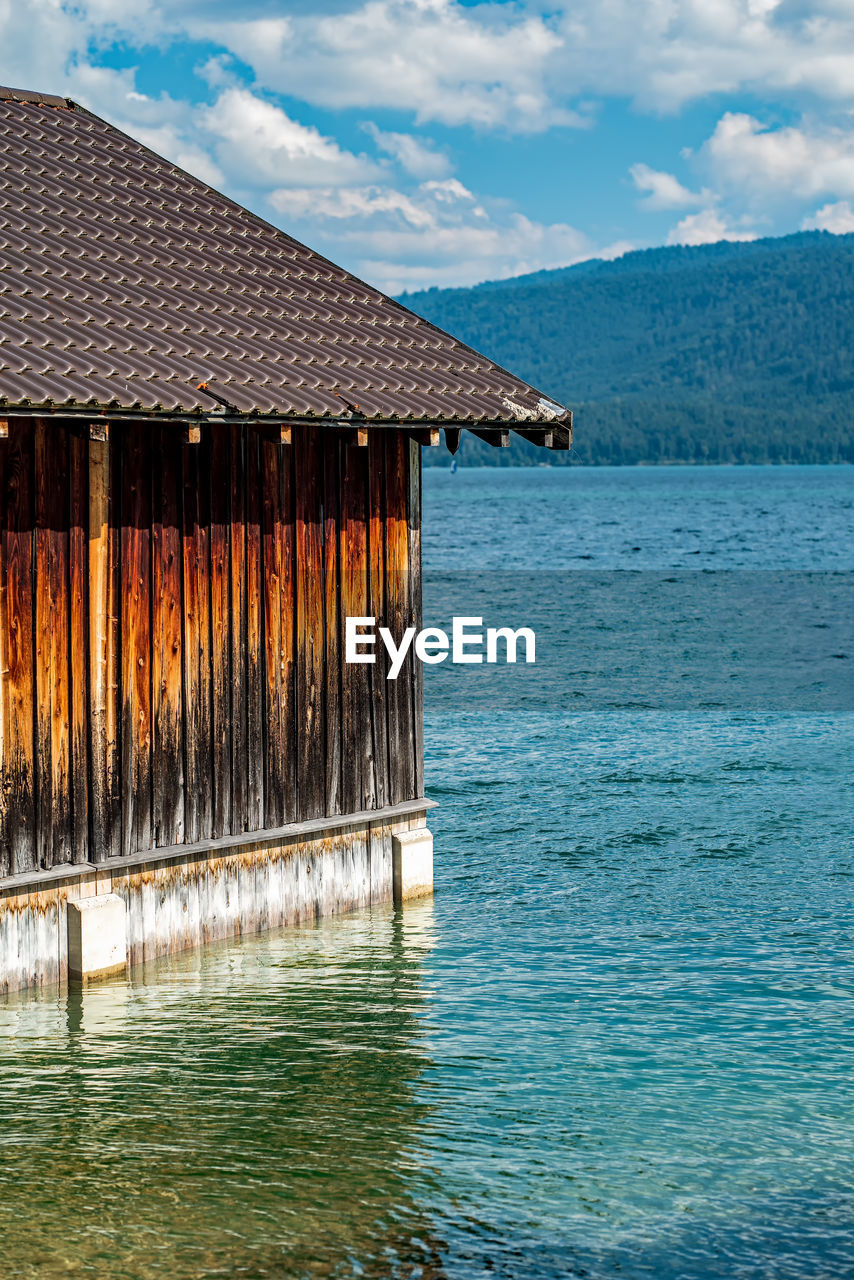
(41, 99)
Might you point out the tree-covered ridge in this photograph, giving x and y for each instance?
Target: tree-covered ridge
(718, 353)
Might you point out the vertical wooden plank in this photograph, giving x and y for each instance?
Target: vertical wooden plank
(43, 783)
(401, 730)
(57, 458)
(19, 669)
(254, 636)
(136, 731)
(196, 642)
(113, 717)
(415, 612)
(377, 609)
(358, 767)
(220, 490)
(310, 743)
(167, 652)
(190, 639)
(5, 855)
(274, 695)
(103, 652)
(239, 624)
(287, 601)
(334, 652)
(52, 582)
(78, 480)
(203, 566)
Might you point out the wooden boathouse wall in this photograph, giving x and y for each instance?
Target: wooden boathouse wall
(171, 634)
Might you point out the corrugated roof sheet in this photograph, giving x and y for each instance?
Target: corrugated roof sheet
(125, 283)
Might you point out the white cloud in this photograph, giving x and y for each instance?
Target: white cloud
(838, 218)
(663, 190)
(439, 234)
(511, 67)
(218, 71)
(448, 191)
(665, 53)
(438, 59)
(801, 163)
(525, 67)
(349, 203)
(519, 66)
(259, 144)
(707, 227)
(412, 154)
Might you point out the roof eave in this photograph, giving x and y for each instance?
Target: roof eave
(113, 413)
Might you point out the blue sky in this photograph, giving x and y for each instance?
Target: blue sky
(445, 142)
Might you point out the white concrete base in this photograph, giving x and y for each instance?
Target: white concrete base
(412, 864)
(97, 936)
(186, 896)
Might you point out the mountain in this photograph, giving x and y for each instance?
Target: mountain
(731, 352)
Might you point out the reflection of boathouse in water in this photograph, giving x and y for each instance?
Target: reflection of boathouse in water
(210, 457)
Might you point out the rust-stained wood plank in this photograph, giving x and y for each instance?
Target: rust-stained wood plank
(203, 565)
(5, 860)
(114, 656)
(56, 460)
(287, 602)
(220, 491)
(254, 636)
(275, 738)
(78, 479)
(190, 640)
(401, 729)
(239, 625)
(415, 613)
(377, 609)
(167, 635)
(42, 781)
(196, 646)
(357, 764)
(5, 853)
(334, 650)
(135, 591)
(310, 743)
(103, 651)
(53, 711)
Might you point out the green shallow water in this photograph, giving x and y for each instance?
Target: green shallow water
(619, 1040)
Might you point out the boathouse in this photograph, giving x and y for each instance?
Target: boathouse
(210, 457)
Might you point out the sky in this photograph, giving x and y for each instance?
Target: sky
(440, 143)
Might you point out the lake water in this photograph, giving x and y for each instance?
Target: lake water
(618, 1042)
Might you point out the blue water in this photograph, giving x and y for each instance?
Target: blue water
(618, 1042)
(641, 1016)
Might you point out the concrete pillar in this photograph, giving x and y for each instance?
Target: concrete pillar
(97, 936)
(412, 864)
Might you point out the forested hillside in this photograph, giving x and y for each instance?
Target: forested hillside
(717, 353)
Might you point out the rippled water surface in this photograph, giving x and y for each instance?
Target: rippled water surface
(619, 1040)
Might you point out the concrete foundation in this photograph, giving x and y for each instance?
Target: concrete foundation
(172, 900)
(412, 864)
(97, 937)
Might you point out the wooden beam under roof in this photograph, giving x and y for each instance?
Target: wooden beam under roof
(498, 437)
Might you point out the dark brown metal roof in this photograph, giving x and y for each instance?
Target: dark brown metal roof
(125, 283)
